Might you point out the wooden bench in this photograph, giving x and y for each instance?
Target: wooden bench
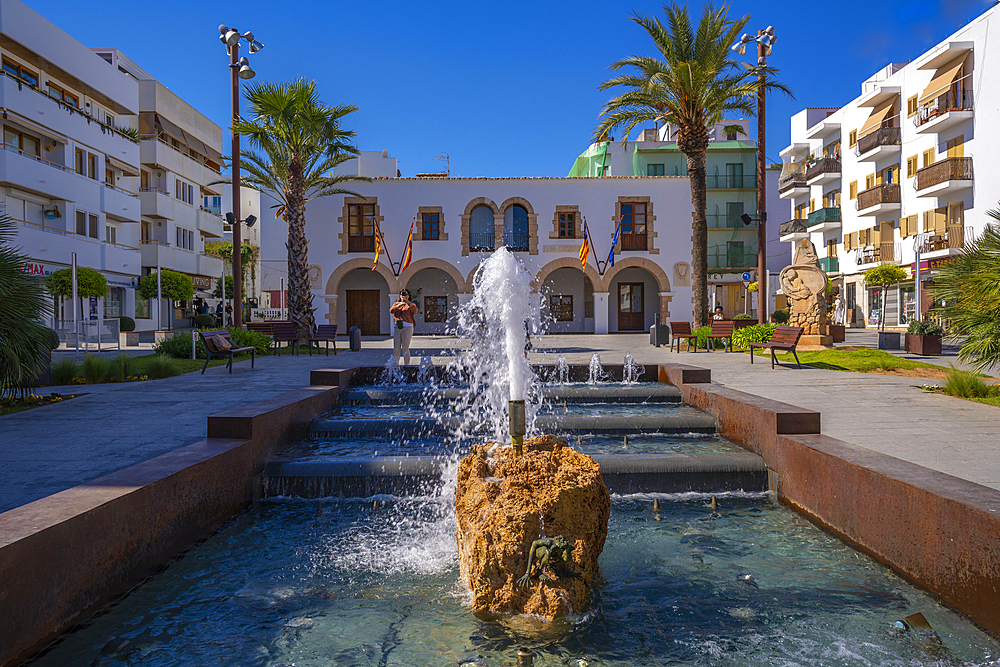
(208, 338)
(284, 332)
(262, 327)
(784, 338)
(722, 329)
(327, 333)
(679, 331)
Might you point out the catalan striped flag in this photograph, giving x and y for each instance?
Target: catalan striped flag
(585, 248)
(408, 252)
(378, 249)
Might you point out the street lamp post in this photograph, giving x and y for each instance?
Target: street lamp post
(239, 69)
(765, 40)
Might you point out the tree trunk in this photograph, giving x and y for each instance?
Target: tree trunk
(699, 237)
(300, 310)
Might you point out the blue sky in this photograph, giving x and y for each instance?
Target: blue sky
(507, 88)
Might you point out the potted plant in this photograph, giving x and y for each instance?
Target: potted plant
(924, 338)
(126, 330)
(885, 275)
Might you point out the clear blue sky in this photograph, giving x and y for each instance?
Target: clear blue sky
(506, 88)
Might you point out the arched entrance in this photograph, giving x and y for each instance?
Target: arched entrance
(363, 300)
(568, 300)
(435, 292)
(638, 290)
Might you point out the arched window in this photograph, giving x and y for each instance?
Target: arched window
(515, 228)
(481, 234)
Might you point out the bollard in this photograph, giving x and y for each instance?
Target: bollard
(354, 334)
(525, 657)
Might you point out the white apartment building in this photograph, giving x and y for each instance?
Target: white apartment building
(180, 155)
(250, 235)
(892, 171)
(70, 156)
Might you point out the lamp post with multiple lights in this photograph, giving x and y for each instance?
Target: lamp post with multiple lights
(239, 69)
(765, 40)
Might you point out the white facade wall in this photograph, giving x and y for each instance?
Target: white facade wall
(63, 206)
(972, 119)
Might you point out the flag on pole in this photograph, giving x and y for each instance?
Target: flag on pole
(408, 252)
(614, 242)
(378, 247)
(585, 248)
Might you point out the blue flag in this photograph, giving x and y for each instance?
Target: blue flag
(614, 242)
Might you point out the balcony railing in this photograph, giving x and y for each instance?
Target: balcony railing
(960, 100)
(121, 190)
(481, 241)
(887, 193)
(155, 242)
(884, 136)
(211, 212)
(823, 166)
(727, 221)
(48, 163)
(792, 227)
(954, 237)
(516, 241)
(361, 243)
(197, 157)
(828, 214)
(153, 189)
(796, 180)
(948, 169)
(731, 257)
(875, 254)
(633, 242)
(731, 181)
(829, 264)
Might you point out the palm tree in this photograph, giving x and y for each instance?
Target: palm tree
(967, 290)
(23, 303)
(691, 84)
(295, 139)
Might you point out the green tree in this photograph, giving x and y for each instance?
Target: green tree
(89, 282)
(884, 275)
(23, 336)
(217, 292)
(295, 140)
(967, 291)
(173, 285)
(691, 83)
(248, 262)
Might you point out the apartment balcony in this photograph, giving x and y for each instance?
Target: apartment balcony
(883, 142)
(793, 230)
(950, 242)
(823, 129)
(361, 243)
(732, 256)
(882, 198)
(731, 181)
(54, 243)
(208, 222)
(632, 242)
(63, 122)
(824, 219)
(160, 204)
(830, 264)
(793, 185)
(946, 111)
(178, 259)
(825, 170)
(34, 174)
(880, 253)
(944, 176)
(726, 221)
(119, 203)
(154, 151)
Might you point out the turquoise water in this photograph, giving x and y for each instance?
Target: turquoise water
(349, 582)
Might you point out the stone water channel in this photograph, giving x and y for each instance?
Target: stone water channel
(351, 560)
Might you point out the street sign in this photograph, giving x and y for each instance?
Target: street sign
(746, 283)
(746, 277)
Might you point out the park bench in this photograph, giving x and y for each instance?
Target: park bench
(220, 344)
(327, 333)
(679, 331)
(784, 338)
(284, 332)
(262, 327)
(722, 329)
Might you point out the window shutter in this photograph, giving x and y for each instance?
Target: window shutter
(854, 240)
(854, 189)
(940, 220)
(876, 235)
(847, 242)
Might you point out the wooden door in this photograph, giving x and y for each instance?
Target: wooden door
(631, 316)
(364, 310)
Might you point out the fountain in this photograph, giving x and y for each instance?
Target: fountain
(631, 370)
(392, 373)
(562, 370)
(597, 373)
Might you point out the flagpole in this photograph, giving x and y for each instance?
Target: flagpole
(409, 239)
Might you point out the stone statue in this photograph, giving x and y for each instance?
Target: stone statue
(551, 552)
(804, 283)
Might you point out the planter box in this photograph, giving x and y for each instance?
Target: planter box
(161, 336)
(129, 338)
(888, 340)
(838, 331)
(925, 345)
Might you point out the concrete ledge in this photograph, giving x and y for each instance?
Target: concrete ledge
(681, 374)
(331, 377)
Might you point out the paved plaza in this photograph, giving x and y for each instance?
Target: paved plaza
(113, 426)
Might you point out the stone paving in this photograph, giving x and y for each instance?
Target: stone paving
(113, 426)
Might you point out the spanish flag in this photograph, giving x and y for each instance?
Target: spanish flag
(408, 253)
(584, 249)
(378, 249)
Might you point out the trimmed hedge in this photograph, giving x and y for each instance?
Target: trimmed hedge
(179, 346)
(924, 328)
(126, 323)
(781, 316)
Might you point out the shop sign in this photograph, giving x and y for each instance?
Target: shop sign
(201, 282)
(34, 268)
(128, 282)
(929, 264)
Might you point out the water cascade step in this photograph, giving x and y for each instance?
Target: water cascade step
(398, 395)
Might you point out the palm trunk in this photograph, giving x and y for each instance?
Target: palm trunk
(300, 310)
(699, 237)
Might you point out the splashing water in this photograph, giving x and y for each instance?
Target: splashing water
(631, 370)
(426, 374)
(562, 370)
(597, 373)
(494, 321)
(391, 372)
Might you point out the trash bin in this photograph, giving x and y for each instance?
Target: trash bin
(354, 333)
(659, 334)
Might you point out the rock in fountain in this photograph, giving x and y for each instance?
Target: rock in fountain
(504, 503)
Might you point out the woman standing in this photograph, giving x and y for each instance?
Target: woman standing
(402, 315)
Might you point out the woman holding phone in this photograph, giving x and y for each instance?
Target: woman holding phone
(402, 321)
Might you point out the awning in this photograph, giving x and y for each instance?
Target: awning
(126, 169)
(162, 124)
(943, 78)
(880, 113)
(44, 131)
